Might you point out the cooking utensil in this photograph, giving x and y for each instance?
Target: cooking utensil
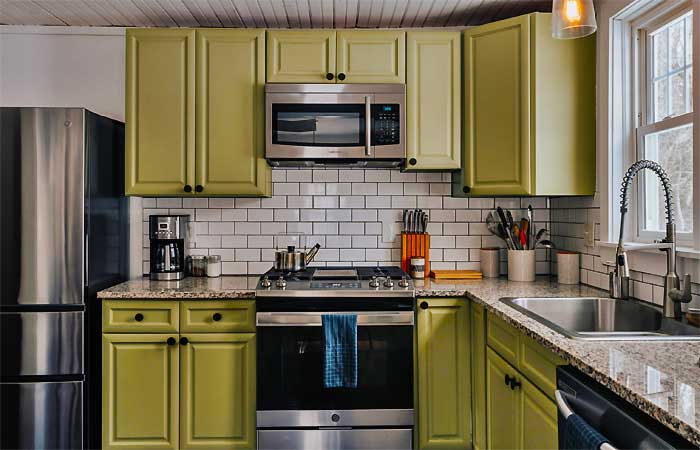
(546, 243)
(293, 260)
(539, 236)
(516, 235)
(524, 236)
(531, 227)
(506, 228)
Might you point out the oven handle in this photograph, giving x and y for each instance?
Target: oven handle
(368, 125)
(313, 319)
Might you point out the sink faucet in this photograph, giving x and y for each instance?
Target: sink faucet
(619, 278)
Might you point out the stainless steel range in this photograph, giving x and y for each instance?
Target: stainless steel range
(294, 409)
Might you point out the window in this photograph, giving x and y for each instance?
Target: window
(665, 122)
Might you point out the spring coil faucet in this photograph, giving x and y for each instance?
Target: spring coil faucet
(619, 279)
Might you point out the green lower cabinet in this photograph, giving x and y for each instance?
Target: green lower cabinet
(139, 391)
(217, 391)
(538, 424)
(443, 379)
(478, 354)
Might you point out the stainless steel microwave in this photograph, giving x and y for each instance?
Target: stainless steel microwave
(335, 124)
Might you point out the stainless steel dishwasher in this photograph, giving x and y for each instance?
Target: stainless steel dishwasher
(625, 426)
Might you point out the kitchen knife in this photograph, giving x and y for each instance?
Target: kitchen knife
(405, 221)
(531, 235)
(506, 227)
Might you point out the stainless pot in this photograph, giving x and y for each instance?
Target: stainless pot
(293, 260)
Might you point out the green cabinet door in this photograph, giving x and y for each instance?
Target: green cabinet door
(217, 391)
(300, 56)
(444, 403)
(367, 56)
(433, 96)
(538, 419)
(496, 108)
(501, 404)
(139, 391)
(160, 111)
(478, 355)
(230, 151)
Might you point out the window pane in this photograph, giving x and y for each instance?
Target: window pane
(689, 40)
(660, 43)
(673, 149)
(676, 45)
(678, 103)
(660, 99)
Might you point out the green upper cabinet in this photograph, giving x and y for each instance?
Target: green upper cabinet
(195, 113)
(230, 151)
(529, 111)
(160, 111)
(433, 96)
(444, 408)
(365, 56)
(330, 56)
(300, 56)
(139, 391)
(217, 391)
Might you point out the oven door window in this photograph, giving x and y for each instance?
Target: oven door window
(290, 370)
(318, 125)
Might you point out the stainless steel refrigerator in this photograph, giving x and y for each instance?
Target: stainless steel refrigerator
(63, 237)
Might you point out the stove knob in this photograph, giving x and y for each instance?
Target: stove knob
(281, 283)
(374, 282)
(389, 283)
(403, 282)
(265, 282)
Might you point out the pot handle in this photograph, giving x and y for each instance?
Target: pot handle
(312, 253)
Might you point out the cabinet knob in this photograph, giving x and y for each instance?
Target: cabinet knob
(341, 76)
(329, 76)
(423, 305)
(188, 188)
(198, 188)
(512, 382)
(466, 189)
(183, 340)
(413, 161)
(216, 317)
(138, 317)
(171, 341)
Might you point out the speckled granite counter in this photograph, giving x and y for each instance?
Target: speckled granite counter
(190, 288)
(661, 378)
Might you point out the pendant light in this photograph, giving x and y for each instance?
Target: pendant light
(572, 19)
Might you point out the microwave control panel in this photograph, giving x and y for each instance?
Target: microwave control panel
(386, 126)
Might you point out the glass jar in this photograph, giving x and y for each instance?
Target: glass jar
(214, 266)
(199, 266)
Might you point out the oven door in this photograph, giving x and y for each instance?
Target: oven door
(318, 126)
(290, 356)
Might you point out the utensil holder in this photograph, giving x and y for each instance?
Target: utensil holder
(521, 265)
(415, 245)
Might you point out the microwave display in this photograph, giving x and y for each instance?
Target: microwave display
(385, 124)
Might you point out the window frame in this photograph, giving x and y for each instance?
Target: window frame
(642, 92)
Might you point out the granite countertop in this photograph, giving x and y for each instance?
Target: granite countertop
(660, 378)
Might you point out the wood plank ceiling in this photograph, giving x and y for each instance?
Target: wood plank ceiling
(264, 13)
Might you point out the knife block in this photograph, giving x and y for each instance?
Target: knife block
(415, 245)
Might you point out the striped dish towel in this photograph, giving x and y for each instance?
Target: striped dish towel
(340, 352)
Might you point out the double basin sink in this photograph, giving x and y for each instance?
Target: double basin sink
(591, 318)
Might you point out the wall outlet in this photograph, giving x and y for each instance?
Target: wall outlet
(589, 235)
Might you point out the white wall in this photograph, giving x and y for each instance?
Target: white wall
(68, 67)
(63, 66)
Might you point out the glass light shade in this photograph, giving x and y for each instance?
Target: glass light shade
(573, 19)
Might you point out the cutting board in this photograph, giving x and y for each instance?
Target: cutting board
(456, 274)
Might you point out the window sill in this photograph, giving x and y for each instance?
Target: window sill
(681, 251)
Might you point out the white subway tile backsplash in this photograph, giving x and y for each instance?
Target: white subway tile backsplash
(220, 203)
(326, 202)
(247, 228)
(208, 215)
(234, 215)
(300, 201)
(338, 188)
(299, 175)
(338, 215)
(272, 228)
(193, 203)
(325, 176)
(221, 228)
(364, 188)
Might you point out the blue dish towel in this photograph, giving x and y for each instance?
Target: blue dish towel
(579, 435)
(340, 360)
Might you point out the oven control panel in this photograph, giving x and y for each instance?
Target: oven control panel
(386, 128)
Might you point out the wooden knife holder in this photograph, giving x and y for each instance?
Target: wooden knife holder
(415, 245)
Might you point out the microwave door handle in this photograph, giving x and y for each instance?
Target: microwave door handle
(368, 125)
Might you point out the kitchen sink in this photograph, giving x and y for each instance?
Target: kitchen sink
(593, 318)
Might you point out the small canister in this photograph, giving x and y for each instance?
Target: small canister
(568, 267)
(199, 266)
(418, 267)
(490, 262)
(214, 266)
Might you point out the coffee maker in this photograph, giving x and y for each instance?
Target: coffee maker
(167, 234)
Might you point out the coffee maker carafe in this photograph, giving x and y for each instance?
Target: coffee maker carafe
(167, 234)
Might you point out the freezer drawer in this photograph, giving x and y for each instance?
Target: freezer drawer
(41, 343)
(46, 415)
(339, 439)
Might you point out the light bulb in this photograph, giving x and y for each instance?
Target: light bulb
(573, 18)
(572, 11)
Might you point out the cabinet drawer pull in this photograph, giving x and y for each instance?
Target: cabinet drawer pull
(216, 317)
(171, 341)
(188, 188)
(341, 76)
(508, 378)
(183, 340)
(466, 189)
(138, 317)
(514, 383)
(198, 188)
(413, 161)
(329, 76)
(424, 305)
